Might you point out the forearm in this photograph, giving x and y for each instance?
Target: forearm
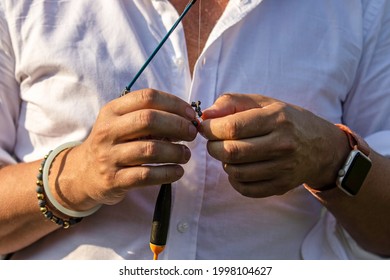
(21, 222)
(294, 146)
(21, 218)
(112, 160)
(366, 216)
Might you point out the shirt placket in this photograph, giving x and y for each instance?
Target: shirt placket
(175, 50)
(189, 190)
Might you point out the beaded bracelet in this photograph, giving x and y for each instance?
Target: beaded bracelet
(43, 190)
(47, 213)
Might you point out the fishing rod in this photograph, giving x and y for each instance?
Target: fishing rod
(186, 9)
(162, 210)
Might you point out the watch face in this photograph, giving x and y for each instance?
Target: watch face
(355, 173)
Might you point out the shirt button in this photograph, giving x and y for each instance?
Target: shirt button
(182, 227)
(179, 61)
(204, 60)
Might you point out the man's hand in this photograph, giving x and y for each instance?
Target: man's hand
(268, 147)
(132, 144)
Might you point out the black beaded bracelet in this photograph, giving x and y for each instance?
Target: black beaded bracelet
(47, 213)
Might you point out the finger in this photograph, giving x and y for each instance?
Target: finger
(259, 189)
(250, 123)
(270, 146)
(282, 169)
(150, 152)
(142, 176)
(151, 99)
(239, 151)
(250, 172)
(230, 103)
(158, 124)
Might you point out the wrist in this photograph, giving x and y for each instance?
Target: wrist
(355, 166)
(65, 182)
(334, 156)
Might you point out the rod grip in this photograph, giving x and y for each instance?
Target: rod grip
(161, 217)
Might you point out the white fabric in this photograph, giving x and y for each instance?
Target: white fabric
(61, 61)
(332, 242)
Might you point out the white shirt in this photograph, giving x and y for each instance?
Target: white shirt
(61, 61)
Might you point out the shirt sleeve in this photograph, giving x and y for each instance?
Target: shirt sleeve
(367, 107)
(366, 111)
(328, 240)
(9, 94)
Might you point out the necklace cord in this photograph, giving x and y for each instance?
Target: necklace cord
(199, 25)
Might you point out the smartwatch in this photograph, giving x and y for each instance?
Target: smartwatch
(355, 169)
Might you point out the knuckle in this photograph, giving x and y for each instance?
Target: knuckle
(231, 129)
(288, 167)
(226, 97)
(102, 160)
(150, 150)
(143, 175)
(105, 169)
(102, 133)
(106, 179)
(234, 172)
(281, 106)
(147, 97)
(287, 145)
(232, 152)
(146, 118)
(282, 113)
(107, 110)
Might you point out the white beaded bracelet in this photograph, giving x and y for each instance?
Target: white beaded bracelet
(49, 195)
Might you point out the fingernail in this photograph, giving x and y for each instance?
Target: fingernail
(190, 113)
(187, 154)
(201, 132)
(179, 171)
(192, 130)
(200, 129)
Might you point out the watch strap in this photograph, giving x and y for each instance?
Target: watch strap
(355, 141)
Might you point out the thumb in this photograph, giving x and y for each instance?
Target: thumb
(229, 104)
